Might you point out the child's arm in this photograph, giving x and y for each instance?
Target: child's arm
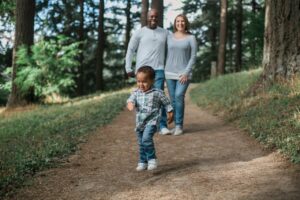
(131, 101)
(167, 104)
(170, 117)
(130, 106)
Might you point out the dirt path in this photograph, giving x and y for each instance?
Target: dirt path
(213, 160)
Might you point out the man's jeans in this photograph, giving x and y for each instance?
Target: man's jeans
(177, 93)
(146, 144)
(159, 83)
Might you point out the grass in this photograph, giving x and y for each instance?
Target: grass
(272, 115)
(36, 139)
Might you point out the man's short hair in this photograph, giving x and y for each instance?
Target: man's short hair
(149, 71)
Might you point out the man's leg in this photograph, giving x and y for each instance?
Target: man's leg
(159, 83)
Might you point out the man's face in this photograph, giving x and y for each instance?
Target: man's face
(152, 19)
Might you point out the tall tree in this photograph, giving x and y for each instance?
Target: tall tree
(100, 48)
(144, 12)
(80, 81)
(128, 25)
(24, 33)
(282, 41)
(223, 38)
(238, 44)
(159, 6)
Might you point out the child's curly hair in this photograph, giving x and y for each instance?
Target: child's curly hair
(149, 71)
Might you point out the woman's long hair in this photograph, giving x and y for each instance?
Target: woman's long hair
(186, 21)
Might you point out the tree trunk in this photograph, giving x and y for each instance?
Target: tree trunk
(253, 43)
(24, 33)
(128, 23)
(100, 48)
(159, 6)
(80, 82)
(281, 58)
(238, 44)
(223, 38)
(144, 12)
(214, 33)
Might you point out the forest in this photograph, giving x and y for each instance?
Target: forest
(90, 38)
(62, 77)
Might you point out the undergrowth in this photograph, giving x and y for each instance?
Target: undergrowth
(272, 115)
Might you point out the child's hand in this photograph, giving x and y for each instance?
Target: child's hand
(130, 106)
(170, 117)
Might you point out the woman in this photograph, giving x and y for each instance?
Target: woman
(182, 48)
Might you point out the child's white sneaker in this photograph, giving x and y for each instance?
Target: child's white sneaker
(165, 131)
(152, 164)
(178, 131)
(141, 167)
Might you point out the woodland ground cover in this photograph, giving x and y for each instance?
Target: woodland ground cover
(272, 114)
(37, 138)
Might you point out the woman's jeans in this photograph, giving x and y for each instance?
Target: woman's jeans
(146, 144)
(177, 93)
(159, 83)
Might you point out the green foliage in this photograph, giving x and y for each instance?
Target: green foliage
(272, 116)
(48, 68)
(33, 140)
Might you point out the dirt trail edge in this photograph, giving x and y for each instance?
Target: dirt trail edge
(213, 160)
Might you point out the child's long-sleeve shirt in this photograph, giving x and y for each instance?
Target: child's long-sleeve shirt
(148, 105)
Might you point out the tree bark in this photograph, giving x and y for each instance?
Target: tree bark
(24, 33)
(238, 44)
(128, 23)
(80, 81)
(144, 12)
(100, 48)
(159, 6)
(281, 59)
(223, 38)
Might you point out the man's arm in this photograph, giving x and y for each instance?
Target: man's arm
(132, 47)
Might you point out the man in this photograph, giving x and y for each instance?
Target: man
(149, 43)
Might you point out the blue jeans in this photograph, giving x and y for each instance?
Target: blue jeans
(177, 93)
(146, 144)
(159, 83)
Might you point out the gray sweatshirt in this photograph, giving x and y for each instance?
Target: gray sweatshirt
(150, 45)
(181, 56)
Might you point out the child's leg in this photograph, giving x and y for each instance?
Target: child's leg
(147, 142)
(142, 153)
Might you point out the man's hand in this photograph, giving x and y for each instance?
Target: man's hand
(130, 106)
(170, 117)
(130, 75)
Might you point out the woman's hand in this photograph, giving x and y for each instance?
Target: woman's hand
(183, 79)
(130, 106)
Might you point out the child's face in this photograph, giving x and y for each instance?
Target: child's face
(143, 81)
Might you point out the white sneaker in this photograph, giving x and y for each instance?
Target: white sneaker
(165, 131)
(178, 131)
(152, 164)
(141, 167)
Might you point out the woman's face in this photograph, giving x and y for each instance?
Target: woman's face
(180, 24)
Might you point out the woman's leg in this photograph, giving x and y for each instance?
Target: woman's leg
(179, 102)
(171, 84)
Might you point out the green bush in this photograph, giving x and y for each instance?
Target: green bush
(48, 68)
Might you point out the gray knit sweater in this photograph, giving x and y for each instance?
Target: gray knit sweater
(181, 56)
(150, 46)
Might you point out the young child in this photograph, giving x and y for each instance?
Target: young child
(148, 102)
